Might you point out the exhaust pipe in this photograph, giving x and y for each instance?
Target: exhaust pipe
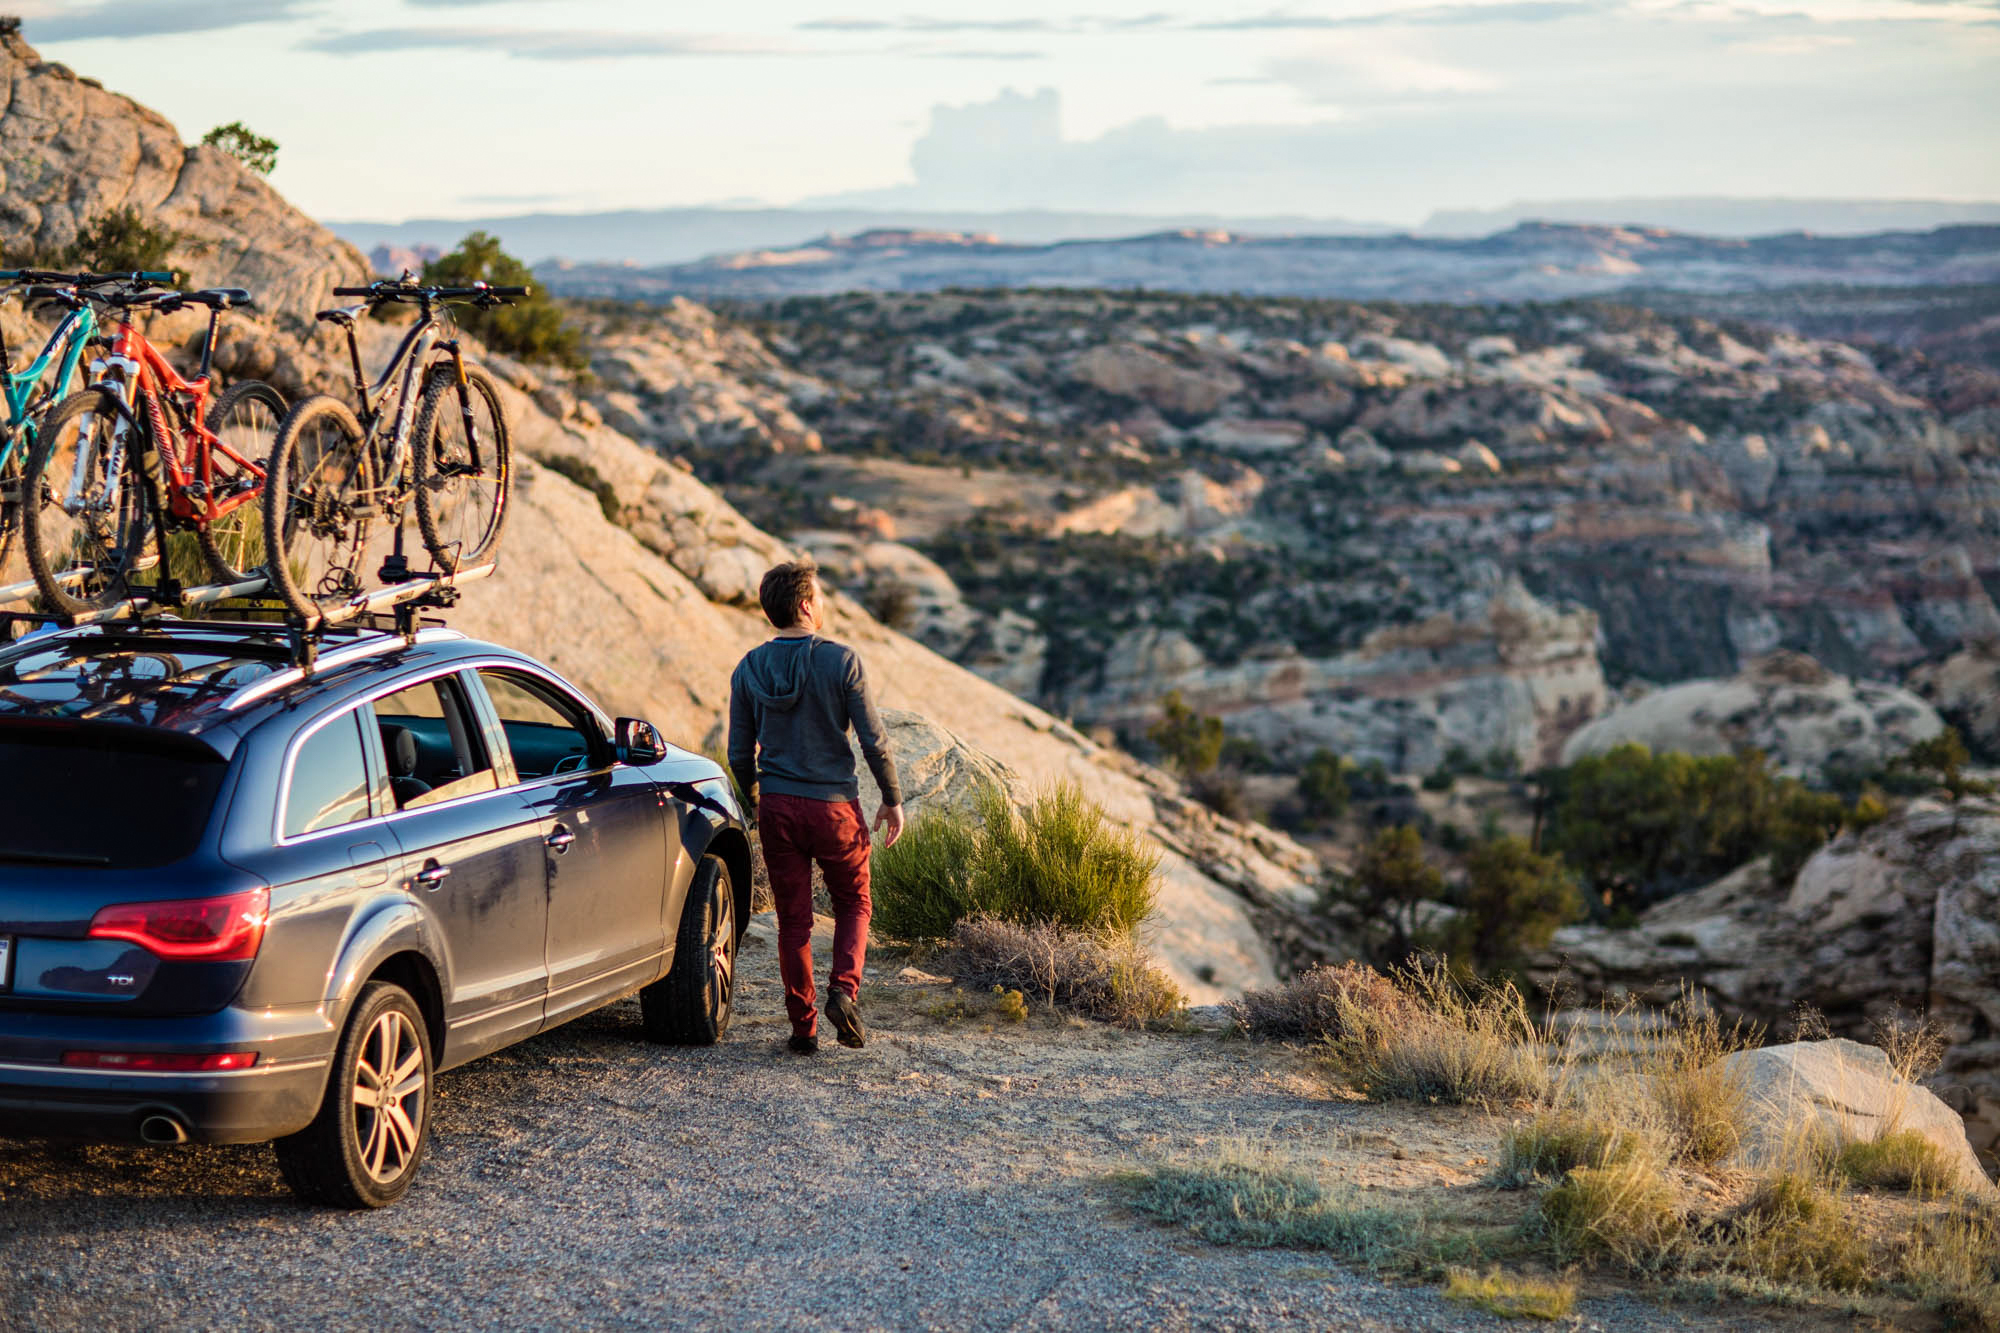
(162, 1129)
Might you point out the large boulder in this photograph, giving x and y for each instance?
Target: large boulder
(1803, 716)
(1842, 1092)
(1965, 688)
(1900, 919)
(1126, 370)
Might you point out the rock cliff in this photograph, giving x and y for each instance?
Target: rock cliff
(640, 586)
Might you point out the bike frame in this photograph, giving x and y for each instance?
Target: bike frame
(21, 389)
(405, 371)
(191, 493)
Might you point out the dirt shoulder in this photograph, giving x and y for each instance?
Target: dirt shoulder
(951, 1175)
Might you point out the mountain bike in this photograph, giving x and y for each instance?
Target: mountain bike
(444, 444)
(142, 454)
(29, 392)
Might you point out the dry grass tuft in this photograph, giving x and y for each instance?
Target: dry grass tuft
(1512, 1295)
(1902, 1160)
(1795, 1229)
(1952, 1264)
(1307, 1008)
(1439, 1041)
(1700, 1097)
(1628, 1211)
(1555, 1143)
(1102, 976)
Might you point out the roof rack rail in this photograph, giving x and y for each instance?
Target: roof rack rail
(376, 644)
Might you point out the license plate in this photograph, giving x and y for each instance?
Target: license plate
(6, 961)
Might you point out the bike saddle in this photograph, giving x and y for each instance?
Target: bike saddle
(343, 315)
(215, 298)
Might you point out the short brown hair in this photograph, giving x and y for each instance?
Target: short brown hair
(784, 587)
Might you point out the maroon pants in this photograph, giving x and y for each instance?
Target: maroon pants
(798, 831)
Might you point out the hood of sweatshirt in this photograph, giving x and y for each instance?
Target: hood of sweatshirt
(777, 672)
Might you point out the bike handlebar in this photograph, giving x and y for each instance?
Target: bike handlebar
(403, 291)
(42, 275)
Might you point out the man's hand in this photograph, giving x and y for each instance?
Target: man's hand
(890, 818)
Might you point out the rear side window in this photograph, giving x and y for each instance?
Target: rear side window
(76, 796)
(329, 782)
(431, 744)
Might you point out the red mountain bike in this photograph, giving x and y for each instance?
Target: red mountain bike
(142, 454)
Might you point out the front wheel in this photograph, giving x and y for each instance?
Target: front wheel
(83, 510)
(463, 467)
(246, 420)
(690, 1006)
(362, 1149)
(319, 498)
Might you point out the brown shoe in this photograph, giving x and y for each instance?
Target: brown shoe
(845, 1015)
(801, 1045)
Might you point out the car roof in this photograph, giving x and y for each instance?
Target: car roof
(212, 680)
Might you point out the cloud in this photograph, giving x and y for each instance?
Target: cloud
(159, 18)
(546, 44)
(923, 23)
(1507, 11)
(1364, 65)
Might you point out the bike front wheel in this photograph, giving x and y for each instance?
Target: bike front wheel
(319, 499)
(464, 467)
(83, 510)
(246, 419)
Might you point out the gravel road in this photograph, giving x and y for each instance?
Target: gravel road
(951, 1176)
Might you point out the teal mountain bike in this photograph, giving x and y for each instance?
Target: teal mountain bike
(29, 392)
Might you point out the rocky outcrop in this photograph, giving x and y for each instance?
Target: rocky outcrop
(1842, 1092)
(1903, 918)
(71, 152)
(1503, 672)
(1965, 689)
(1806, 719)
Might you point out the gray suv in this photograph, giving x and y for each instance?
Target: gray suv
(241, 900)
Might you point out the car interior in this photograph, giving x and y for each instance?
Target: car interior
(432, 753)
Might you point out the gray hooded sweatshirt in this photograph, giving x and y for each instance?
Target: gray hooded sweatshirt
(791, 701)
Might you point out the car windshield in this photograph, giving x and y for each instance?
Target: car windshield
(87, 796)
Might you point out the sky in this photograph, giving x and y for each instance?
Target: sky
(1365, 110)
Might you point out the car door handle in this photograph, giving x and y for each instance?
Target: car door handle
(559, 841)
(431, 875)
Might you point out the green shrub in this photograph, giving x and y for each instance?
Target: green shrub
(1191, 741)
(1390, 880)
(531, 328)
(1794, 1229)
(1323, 786)
(1058, 861)
(1902, 1160)
(252, 150)
(1700, 1096)
(119, 241)
(1514, 899)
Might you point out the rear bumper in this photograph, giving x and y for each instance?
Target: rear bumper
(41, 1097)
(236, 1106)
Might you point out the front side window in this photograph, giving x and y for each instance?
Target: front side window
(547, 731)
(329, 782)
(433, 751)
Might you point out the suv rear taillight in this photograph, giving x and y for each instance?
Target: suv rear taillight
(226, 929)
(155, 1062)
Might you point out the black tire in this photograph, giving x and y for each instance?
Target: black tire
(247, 418)
(11, 474)
(460, 510)
(353, 1156)
(691, 1005)
(105, 547)
(313, 538)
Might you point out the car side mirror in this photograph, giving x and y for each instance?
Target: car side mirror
(639, 742)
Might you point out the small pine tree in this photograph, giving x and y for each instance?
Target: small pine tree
(1515, 897)
(532, 327)
(120, 241)
(1390, 880)
(1323, 786)
(251, 149)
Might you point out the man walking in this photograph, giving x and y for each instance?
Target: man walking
(790, 704)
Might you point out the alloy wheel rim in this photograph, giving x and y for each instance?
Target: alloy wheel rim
(389, 1088)
(722, 951)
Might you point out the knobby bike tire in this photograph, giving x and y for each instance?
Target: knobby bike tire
(12, 471)
(458, 514)
(106, 546)
(320, 467)
(233, 545)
